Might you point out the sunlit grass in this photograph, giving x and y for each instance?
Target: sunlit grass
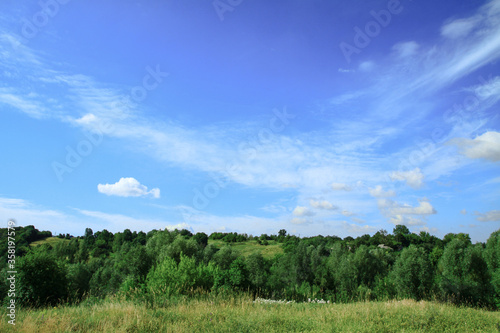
(49, 240)
(249, 247)
(242, 315)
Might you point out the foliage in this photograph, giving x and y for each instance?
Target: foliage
(164, 265)
(464, 277)
(41, 280)
(492, 257)
(412, 273)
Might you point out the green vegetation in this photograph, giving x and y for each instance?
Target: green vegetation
(247, 248)
(163, 273)
(52, 241)
(240, 314)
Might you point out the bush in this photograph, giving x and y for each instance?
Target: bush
(41, 280)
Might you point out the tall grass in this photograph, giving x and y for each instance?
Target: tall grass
(241, 314)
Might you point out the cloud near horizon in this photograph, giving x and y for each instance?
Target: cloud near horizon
(128, 187)
(491, 216)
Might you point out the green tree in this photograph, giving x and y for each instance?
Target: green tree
(180, 245)
(78, 280)
(163, 278)
(201, 238)
(257, 270)
(367, 266)
(158, 241)
(346, 278)
(224, 257)
(464, 276)
(238, 274)
(41, 279)
(401, 234)
(89, 236)
(492, 256)
(412, 273)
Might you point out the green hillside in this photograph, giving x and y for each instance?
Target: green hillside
(49, 240)
(251, 247)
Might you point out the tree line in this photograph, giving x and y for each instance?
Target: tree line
(159, 265)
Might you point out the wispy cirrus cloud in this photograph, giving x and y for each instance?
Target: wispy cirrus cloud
(459, 27)
(361, 147)
(340, 187)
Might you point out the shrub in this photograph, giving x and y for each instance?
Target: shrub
(41, 280)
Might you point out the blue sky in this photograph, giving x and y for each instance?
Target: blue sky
(319, 117)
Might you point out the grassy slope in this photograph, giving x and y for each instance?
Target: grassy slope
(244, 248)
(241, 315)
(249, 247)
(50, 240)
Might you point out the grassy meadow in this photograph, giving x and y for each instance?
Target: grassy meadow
(250, 247)
(52, 241)
(243, 315)
(244, 248)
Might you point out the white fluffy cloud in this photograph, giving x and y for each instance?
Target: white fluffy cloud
(302, 211)
(413, 178)
(322, 205)
(424, 208)
(406, 220)
(491, 216)
(485, 146)
(405, 214)
(179, 226)
(341, 187)
(128, 187)
(378, 192)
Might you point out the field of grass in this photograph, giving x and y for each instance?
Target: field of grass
(249, 247)
(242, 315)
(49, 240)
